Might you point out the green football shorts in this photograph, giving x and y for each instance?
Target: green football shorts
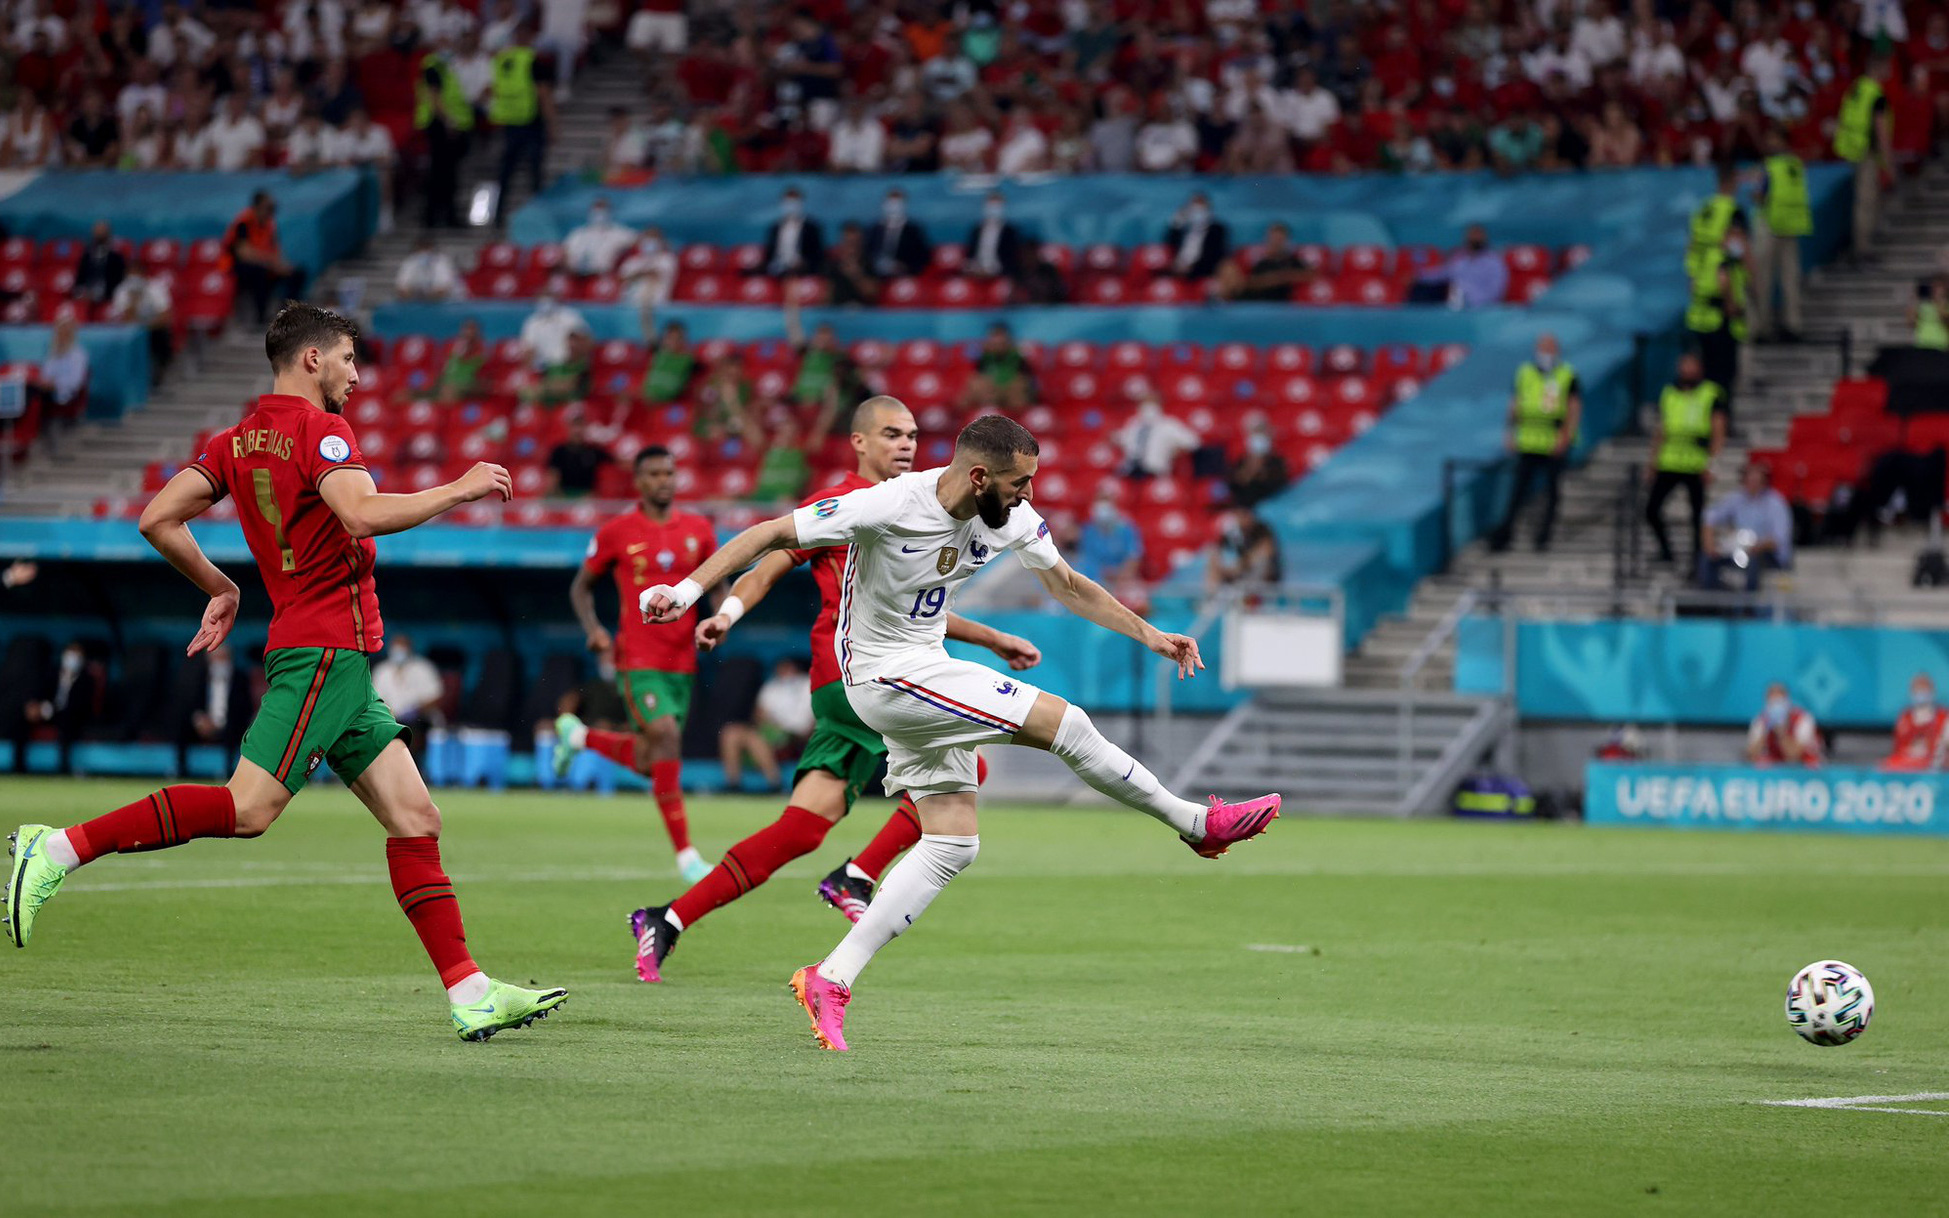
(320, 707)
(652, 695)
(841, 745)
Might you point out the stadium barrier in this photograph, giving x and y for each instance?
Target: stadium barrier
(1837, 800)
(322, 217)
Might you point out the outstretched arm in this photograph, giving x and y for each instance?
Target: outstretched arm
(1088, 599)
(753, 586)
(365, 512)
(165, 525)
(664, 603)
(1018, 651)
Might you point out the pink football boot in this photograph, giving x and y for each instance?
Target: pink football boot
(1228, 824)
(825, 1001)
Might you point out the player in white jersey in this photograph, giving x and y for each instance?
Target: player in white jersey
(915, 539)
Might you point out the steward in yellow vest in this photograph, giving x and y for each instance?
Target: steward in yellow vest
(1545, 409)
(1689, 432)
(444, 115)
(1787, 215)
(1863, 135)
(521, 102)
(1713, 219)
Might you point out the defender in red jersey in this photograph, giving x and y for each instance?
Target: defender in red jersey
(843, 754)
(309, 511)
(656, 664)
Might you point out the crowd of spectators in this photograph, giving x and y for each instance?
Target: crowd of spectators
(1164, 86)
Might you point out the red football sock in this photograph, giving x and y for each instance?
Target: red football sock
(168, 818)
(619, 747)
(666, 783)
(900, 832)
(426, 897)
(794, 834)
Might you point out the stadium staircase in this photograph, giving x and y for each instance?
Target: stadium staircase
(1352, 751)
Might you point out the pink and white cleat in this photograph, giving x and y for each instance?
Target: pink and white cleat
(1228, 824)
(825, 1001)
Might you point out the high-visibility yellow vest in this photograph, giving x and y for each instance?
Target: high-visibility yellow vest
(1709, 225)
(1542, 406)
(1930, 332)
(1686, 447)
(1788, 213)
(1854, 134)
(1707, 311)
(514, 101)
(454, 105)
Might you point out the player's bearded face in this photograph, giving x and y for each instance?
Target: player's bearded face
(338, 375)
(988, 501)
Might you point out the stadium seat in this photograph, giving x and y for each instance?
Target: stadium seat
(906, 292)
(922, 353)
(956, 292)
(702, 258)
(1237, 357)
(947, 260)
(499, 256)
(1105, 290)
(1366, 260)
(1289, 357)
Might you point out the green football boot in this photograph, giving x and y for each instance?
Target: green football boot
(506, 1006)
(570, 736)
(31, 880)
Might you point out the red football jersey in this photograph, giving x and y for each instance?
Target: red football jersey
(828, 568)
(643, 554)
(319, 576)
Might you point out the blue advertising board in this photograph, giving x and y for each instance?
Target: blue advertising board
(1833, 800)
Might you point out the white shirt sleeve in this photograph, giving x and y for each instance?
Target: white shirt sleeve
(1030, 539)
(843, 519)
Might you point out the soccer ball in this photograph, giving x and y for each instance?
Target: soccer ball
(1829, 1003)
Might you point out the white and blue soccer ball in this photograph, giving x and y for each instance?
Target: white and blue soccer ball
(1829, 1003)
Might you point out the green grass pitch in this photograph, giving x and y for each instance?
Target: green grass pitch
(1338, 1019)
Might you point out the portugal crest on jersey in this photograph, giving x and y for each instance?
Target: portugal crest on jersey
(949, 556)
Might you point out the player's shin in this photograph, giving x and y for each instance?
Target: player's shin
(797, 832)
(168, 817)
(1110, 770)
(426, 897)
(909, 889)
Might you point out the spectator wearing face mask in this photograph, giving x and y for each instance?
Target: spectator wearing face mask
(1782, 733)
(212, 706)
(1544, 412)
(410, 686)
(1258, 474)
(1919, 729)
(1716, 315)
(1473, 276)
(596, 246)
(1152, 441)
(1109, 549)
(68, 704)
(896, 244)
(649, 275)
(1198, 242)
(995, 248)
(794, 244)
(1246, 552)
(544, 335)
(428, 273)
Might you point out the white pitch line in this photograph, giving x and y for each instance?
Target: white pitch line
(1870, 1103)
(1291, 949)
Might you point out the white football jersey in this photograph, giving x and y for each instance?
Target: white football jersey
(907, 559)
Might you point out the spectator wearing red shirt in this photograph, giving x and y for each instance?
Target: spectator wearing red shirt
(1919, 729)
(1782, 733)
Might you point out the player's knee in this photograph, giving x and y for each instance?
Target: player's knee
(255, 816)
(421, 819)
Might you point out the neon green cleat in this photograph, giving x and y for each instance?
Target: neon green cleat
(506, 1006)
(570, 736)
(31, 880)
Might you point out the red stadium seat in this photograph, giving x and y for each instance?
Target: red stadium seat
(207, 252)
(1342, 358)
(922, 353)
(1859, 396)
(871, 353)
(1320, 291)
(1185, 390)
(1368, 291)
(1293, 389)
(1527, 259)
(1074, 355)
(548, 257)
(1103, 259)
(499, 256)
(906, 292)
(1149, 260)
(919, 387)
(702, 258)
(1074, 387)
(1237, 357)
(747, 257)
(1364, 260)
(810, 291)
(1130, 357)
(1574, 257)
(1105, 290)
(19, 251)
(1446, 356)
(956, 292)
(758, 290)
(707, 288)
(1289, 357)
(996, 293)
(1318, 256)
(1059, 256)
(947, 259)
(158, 252)
(1526, 288)
(1172, 292)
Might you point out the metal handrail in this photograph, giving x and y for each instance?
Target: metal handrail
(1411, 671)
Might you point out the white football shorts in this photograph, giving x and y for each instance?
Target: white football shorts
(933, 713)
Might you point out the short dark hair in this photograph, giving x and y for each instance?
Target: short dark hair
(995, 439)
(299, 327)
(649, 452)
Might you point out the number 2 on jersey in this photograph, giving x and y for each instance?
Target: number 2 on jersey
(928, 602)
(273, 515)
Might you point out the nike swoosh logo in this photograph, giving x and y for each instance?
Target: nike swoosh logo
(486, 1010)
(1132, 770)
(912, 550)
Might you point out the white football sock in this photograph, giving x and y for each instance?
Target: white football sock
(675, 923)
(910, 887)
(853, 869)
(60, 849)
(578, 736)
(468, 990)
(1115, 773)
(687, 856)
